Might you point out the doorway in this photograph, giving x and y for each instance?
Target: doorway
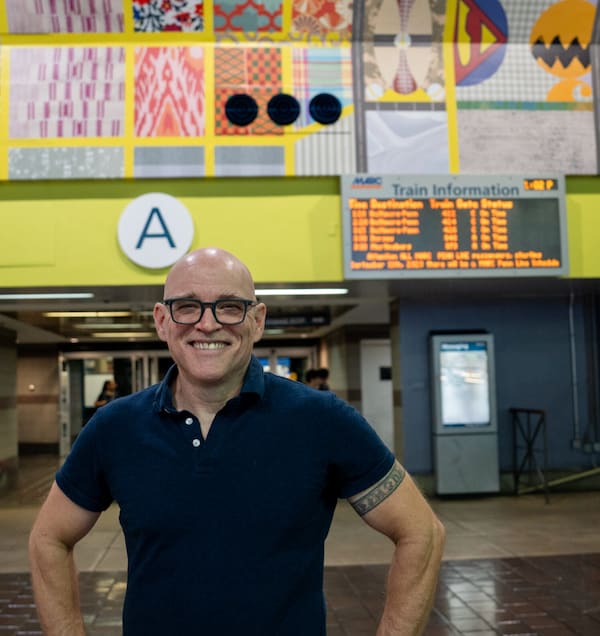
(83, 374)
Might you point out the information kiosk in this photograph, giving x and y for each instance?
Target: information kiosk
(465, 426)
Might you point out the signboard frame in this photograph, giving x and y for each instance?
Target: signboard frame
(511, 193)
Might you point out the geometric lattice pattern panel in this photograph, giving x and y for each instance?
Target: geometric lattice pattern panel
(254, 16)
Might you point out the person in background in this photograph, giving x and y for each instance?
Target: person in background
(311, 379)
(322, 375)
(317, 379)
(108, 393)
(227, 480)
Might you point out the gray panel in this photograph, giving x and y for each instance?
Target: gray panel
(169, 161)
(65, 163)
(233, 161)
(466, 464)
(519, 141)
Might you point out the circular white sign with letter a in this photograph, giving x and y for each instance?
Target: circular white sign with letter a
(155, 230)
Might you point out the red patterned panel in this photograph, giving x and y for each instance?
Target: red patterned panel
(169, 91)
(254, 71)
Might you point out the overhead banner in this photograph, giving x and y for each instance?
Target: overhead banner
(453, 226)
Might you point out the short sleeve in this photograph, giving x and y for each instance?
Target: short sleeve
(359, 456)
(81, 477)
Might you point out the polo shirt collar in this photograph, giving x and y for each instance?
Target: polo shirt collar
(253, 386)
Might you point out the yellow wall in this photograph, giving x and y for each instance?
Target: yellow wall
(583, 215)
(65, 233)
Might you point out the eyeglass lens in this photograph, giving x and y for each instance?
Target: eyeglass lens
(227, 312)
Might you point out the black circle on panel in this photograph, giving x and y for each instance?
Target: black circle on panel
(325, 108)
(283, 109)
(241, 109)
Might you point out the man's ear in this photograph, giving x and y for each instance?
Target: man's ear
(260, 317)
(161, 315)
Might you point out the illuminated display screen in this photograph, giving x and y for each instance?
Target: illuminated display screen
(464, 382)
(453, 226)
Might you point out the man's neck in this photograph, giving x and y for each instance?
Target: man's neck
(203, 401)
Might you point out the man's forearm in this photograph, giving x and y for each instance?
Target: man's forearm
(56, 590)
(411, 585)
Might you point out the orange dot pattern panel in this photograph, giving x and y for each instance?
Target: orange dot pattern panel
(253, 71)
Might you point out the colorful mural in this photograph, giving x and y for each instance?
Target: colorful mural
(139, 88)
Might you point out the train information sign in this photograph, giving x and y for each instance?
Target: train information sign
(453, 226)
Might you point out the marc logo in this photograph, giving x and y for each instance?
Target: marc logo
(367, 182)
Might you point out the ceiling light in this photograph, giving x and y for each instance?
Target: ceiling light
(316, 291)
(45, 296)
(108, 325)
(123, 334)
(87, 314)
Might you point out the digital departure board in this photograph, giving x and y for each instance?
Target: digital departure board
(453, 226)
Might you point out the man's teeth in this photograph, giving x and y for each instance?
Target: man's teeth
(208, 345)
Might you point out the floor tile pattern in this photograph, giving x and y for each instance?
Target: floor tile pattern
(538, 596)
(512, 565)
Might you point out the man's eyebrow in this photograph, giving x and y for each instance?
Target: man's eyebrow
(224, 296)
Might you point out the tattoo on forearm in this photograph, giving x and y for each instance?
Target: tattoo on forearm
(372, 497)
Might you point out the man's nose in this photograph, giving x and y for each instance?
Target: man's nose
(208, 322)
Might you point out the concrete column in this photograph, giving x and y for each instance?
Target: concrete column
(9, 447)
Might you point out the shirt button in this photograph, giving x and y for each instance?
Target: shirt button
(196, 442)
(189, 420)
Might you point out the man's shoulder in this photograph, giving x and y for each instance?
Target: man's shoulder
(145, 399)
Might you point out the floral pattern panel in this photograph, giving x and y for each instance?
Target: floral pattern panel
(321, 17)
(168, 15)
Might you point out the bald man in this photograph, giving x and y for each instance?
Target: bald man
(227, 479)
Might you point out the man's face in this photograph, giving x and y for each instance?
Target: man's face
(209, 353)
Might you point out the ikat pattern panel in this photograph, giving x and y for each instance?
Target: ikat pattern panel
(169, 91)
(138, 88)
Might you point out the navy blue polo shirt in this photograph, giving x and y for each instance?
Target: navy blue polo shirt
(225, 535)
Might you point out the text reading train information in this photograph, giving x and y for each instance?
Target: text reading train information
(453, 226)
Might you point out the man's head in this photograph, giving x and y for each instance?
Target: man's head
(208, 352)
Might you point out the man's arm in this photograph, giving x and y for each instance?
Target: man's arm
(395, 507)
(60, 524)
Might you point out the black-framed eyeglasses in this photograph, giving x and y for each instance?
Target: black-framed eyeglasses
(227, 311)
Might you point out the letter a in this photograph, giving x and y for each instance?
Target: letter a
(145, 234)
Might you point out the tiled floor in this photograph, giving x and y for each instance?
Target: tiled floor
(513, 565)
